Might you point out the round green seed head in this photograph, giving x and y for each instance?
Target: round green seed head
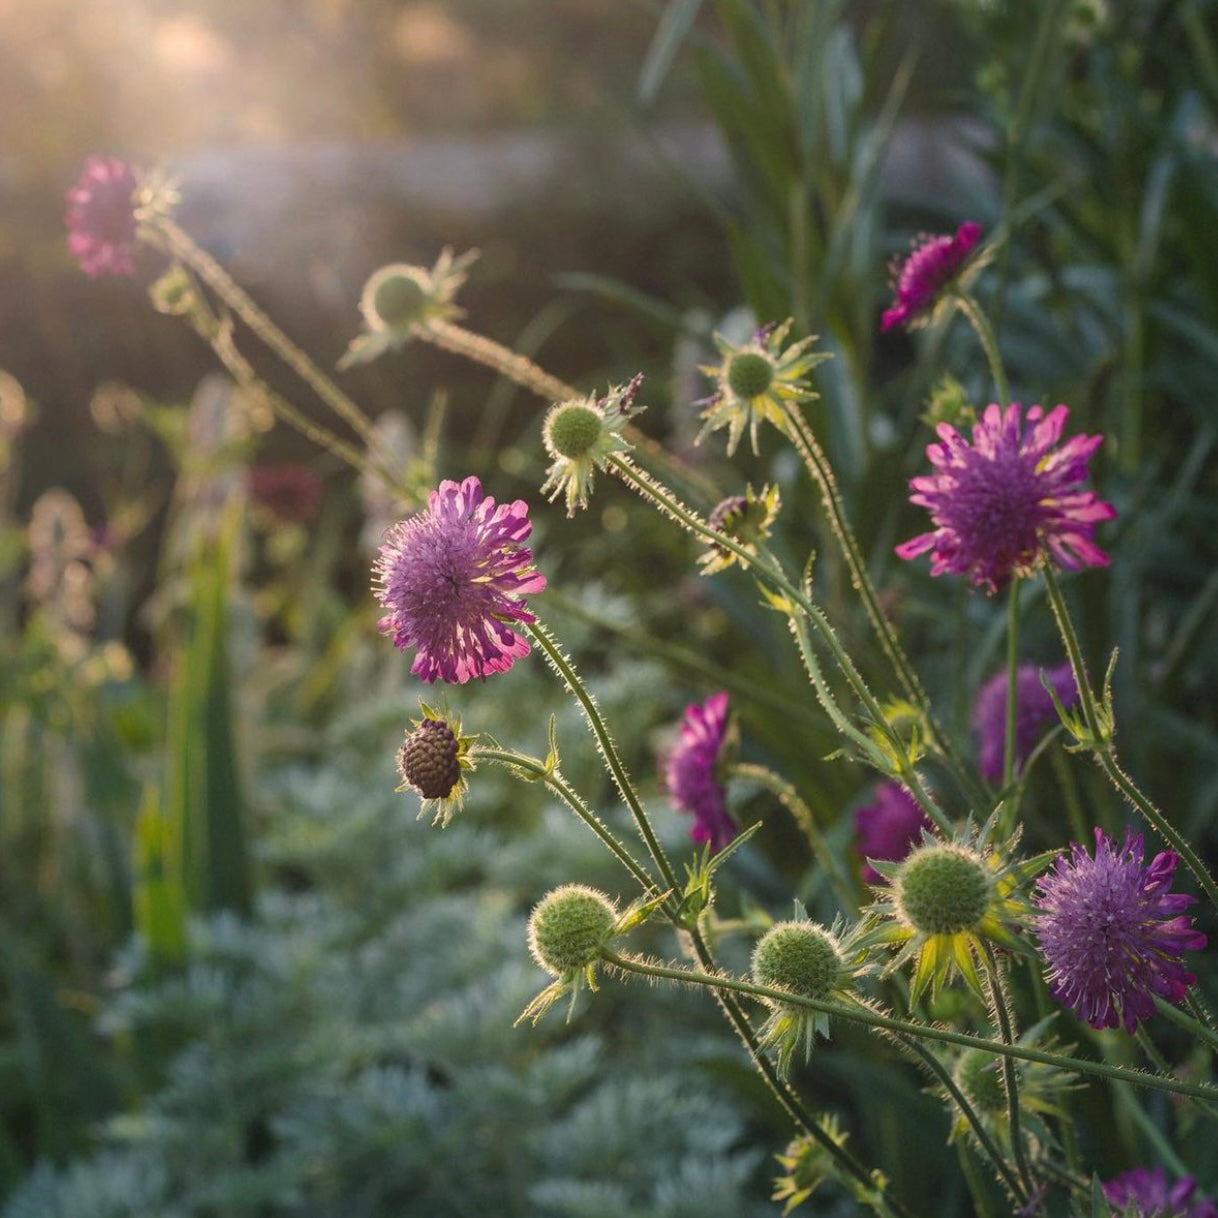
(573, 428)
(798, 956)
(569, 927)
(977, 1074)
(749, 375)
(395, 298)
(943, 889)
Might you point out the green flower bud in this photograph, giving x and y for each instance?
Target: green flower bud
(395, 297)
(749, 374)
(569, 927)
(943, 890)
(798, 956)
(572, 429)
(979, 1075)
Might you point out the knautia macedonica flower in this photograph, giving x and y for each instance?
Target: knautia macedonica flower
(453, 579)
(921, 280)
(1111, 932)
(1145, 1193)
(399, 298)
(756, 380)
(101, 217)
(1034, 713)
(943, 902)
(692, 772)
(809, 961)
(433, 761)
(1009, 500)
(746, 519)
(581, 435)
(887, 828)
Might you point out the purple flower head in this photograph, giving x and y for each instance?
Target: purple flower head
(453, 579)
(887, 828)
(1034, 712)
(690, 772)
(1009, 499)
(1112, 934)
(919, 280)
(101, 217)
(1145, 1193)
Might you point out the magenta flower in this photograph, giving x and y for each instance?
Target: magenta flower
(691, 772)
(101, 217)
(453, 579)
(1112, 934)
(1144, 1192)
(920, 279)
(1034, 712)
(1008, 500)
(887, 828)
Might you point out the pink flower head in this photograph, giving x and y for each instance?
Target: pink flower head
(1112, 933)
(887, 828)
(1144, 1192)
(1010, 499)
(690, 772)
(1034, 712)
(920, 279)
(101, 217)
(453, 579)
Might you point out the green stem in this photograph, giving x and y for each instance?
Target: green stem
(1193, 1026)
(817, 464)
(987, 1144)
(794, 598)
(223, 284)
(1098, 723)
(553, 779)
(520, 370)
(731, 1008)
(1010, 1081)
(1008, 752)
(989, 343)
(606, 747)
(859, 1012)
(790, 799)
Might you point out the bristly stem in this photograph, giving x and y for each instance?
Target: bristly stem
(606, 747)
(537, 769)
(1012, 707)
(1010, 1081)
(617, 770)
(817, 464)
(799, 608)
(1101, 747)
(861, 1013)
(989, 343)
(223, 284)
(522, 371)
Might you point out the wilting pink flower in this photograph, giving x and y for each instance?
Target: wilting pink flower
(887, 828)
(1034, 712)
(453, 579)
(691, 772)
(1144, 1192)
(920, 279)
(1010, 499)
(101, 217)
(1112, 933)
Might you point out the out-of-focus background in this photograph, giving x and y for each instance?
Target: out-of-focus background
(237, 979)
